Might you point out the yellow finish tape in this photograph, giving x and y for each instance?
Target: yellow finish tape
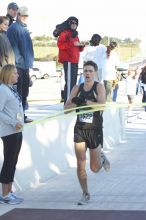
(72, 111)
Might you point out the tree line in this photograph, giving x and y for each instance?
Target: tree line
(45, 41)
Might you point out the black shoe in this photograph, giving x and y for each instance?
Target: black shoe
(28, 120)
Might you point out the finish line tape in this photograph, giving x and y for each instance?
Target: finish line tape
(85, 109)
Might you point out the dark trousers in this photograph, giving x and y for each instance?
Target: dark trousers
(12, 145)
(23, 85)
(71, 71)
(144, 98)
(62, 95)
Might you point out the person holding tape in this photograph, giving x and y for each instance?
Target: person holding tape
(11, 124)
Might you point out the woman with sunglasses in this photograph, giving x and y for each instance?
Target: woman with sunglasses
(69, 51)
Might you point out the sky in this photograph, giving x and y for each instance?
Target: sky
(113, 18)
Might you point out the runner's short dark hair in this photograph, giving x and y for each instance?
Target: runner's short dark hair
(91, 63)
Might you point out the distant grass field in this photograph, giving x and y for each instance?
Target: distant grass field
(51, 53)
(126, 53)
(45, 53)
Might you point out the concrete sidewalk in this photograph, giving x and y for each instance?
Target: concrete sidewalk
(123, 188)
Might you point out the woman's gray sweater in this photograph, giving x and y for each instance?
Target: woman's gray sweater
(11, 111)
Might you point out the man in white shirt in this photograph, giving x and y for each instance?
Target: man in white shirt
(95, 52)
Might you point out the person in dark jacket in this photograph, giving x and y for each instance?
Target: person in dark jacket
(6, 52)
(12, 12)
(143, 85)
(69, 51)
(21, 42)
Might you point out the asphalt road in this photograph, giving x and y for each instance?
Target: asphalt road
(45, 90)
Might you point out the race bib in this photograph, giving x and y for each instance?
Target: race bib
(19, 117)
(86, 117)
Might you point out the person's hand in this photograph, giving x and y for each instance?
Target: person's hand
(77, 43)
(18, 126)
(80, 44)
(78, 101)
(84, 43)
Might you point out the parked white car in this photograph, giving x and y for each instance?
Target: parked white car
(35, 73)
(47, 68)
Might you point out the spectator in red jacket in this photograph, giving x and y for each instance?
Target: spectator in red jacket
(69, 51)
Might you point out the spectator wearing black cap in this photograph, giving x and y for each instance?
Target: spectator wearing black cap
(69, 51)
(12, 12)
(21, 43)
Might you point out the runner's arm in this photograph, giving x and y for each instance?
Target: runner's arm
(69, 104)
(100, 97)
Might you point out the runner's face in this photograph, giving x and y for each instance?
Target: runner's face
(89, 73)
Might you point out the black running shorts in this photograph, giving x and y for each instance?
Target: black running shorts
(92, 137)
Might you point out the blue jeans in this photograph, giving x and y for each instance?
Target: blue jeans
(115, 93)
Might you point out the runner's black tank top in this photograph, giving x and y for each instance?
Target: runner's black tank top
(90, 120)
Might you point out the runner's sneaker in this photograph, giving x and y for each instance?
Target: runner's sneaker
(84, 199)
(105, 162)
(10, 199)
